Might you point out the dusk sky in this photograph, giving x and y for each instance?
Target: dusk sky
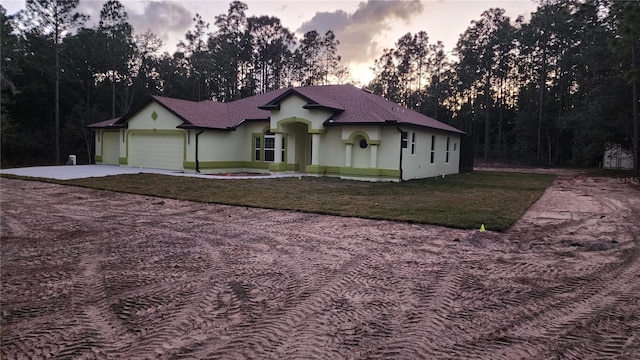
(364, 28)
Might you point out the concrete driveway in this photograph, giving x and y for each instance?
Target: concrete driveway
(68, 172)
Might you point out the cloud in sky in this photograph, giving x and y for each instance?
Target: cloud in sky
(162, 18)
(357, 31)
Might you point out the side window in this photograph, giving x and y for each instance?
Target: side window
(284, 142)
(413, 143)
(404, 136)
(447, 153)
(257, 148)
(433, 149)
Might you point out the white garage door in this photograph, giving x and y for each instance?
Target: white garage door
(110, 147)
(156, 151)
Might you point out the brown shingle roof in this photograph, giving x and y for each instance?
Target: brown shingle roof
(363, 107)
(111, 123)
(349, 104)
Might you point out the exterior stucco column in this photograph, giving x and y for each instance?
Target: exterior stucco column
(277, 158)
(315, 149)
(373, 161)
(348, 149)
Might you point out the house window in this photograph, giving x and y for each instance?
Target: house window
(413, 143)
(264, 147)
(455, 147)
(257, 148)
(269, 146)
(404, 136)
(447, 153)
(283, 146)
(433, 149)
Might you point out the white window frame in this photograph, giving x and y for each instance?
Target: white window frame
(413, 143)
(433, 149)
(447, 153)
(272, 150)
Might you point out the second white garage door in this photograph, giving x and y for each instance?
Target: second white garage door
(156, 151)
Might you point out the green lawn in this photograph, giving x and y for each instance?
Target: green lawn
(496, 199)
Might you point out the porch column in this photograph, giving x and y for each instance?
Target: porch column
(315, 149)
(277, 157)
(348, 150)
(373, 160)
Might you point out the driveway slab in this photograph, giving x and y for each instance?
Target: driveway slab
(67, 172)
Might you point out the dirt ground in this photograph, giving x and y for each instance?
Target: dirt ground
(93, 274)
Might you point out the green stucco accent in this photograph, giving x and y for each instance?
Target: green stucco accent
(191, 165)
(357, 133)
(98, 158)
(353, 172)
(295, 119)
(317, 169)
(370, 172)
(154, 115)
(122, 161)
(281, 167)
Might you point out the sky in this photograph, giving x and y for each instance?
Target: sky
(364, 27)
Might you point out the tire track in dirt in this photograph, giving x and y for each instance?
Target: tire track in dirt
(414, 333)
(591, 294)
(266, 335)
(92, 309)
(180, 280)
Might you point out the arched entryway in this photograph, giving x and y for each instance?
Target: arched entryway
(298, 136)
(299, 140)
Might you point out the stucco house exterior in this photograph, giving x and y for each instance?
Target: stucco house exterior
(332, 130)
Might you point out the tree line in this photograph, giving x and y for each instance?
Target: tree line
(554, 90)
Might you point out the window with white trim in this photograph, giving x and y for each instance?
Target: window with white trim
(283, 153)
(433, 149)
(447, 153)
(257, 148)
(413, 143)
(269, 146)
(264, 147)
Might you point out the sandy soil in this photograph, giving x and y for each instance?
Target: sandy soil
(93, 274)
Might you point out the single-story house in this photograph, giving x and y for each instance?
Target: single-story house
(332, 130)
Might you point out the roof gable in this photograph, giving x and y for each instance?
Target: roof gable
(314, 100)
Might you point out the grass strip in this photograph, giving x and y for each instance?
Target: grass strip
(496, 199)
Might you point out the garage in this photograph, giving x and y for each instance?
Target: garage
(110, 147)
(156, 150)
